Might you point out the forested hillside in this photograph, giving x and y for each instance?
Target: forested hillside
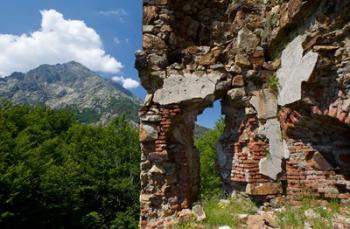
(58, 173)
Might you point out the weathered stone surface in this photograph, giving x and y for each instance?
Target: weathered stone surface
(296, 68)
(178, 89)
(224, 227)
(270, 167)
(185, 215)
(286, 152)
(236, 93)
(255, 222)
(152, 41)
(211, 57)
(157, 169)
(265, 103)
(247, 40)
(238, 81)
(199, 213)
(148, 28)
(148, 133)
(149, 14)
(271, 218)
(151, 118)
(148, 99)
(346, 105)
(264, 189)
(274, 134)
(157, 60)
(321, 48)
(242, 61)
(341, 222)
(319, 162)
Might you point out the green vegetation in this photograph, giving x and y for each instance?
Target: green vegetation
(268, 154)
(210, 179)
(272, 83)
(115, 106)
(199, 131)
(315, 213)
(310, 210)
(223, 212)
(58, 173)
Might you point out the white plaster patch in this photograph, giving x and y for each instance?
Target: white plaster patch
(177, 88)
(271, 165)
(295, 69)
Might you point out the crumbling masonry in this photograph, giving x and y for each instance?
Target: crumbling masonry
(282, 72)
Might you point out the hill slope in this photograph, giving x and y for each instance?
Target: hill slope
(72, 86)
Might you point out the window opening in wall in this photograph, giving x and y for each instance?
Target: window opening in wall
(208, 130)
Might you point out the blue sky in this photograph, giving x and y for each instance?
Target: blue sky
(116, 22)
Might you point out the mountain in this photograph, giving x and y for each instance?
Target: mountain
(199, 131)
(74, 87)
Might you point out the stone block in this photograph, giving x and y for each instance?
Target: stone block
(264, 189)
(211, 57)
(255, 222)
(247, 40)
(178, 89)
(148, 133)
(153, 42)
(265, 103)
(236, 93)
(318, 162)
(238, 81)
(198, 212)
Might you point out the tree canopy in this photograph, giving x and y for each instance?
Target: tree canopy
(58, 173)
(210, 179)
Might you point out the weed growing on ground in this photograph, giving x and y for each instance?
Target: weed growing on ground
(272, 83)
(310, 211)
(226, 213)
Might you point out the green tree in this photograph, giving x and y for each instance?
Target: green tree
(58, 173)
(210, 180)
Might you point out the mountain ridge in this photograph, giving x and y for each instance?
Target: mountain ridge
(72, 86)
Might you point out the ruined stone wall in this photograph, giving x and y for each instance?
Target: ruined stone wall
(282, 72)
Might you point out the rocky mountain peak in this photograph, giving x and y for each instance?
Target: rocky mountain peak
(73, 86)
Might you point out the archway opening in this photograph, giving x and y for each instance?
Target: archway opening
(206, 143)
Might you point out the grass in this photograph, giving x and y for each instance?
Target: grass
(267, 154)
(221, 213)
(186, 225)
(272, 83)
(294, 217)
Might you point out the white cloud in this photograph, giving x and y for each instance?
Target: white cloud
(127, 83)
(57, 41)
(116, 40)
(119, 13)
